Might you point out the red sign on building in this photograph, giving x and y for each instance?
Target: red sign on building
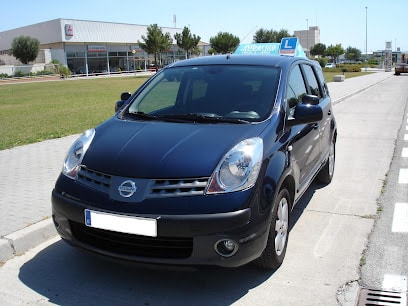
(69, 30)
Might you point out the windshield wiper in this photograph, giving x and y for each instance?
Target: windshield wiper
(143, 115)
(203, 118)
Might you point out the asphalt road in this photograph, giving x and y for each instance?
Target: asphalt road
(386, 257)
(335, 229)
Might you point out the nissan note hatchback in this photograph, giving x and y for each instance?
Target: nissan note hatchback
(202, 164)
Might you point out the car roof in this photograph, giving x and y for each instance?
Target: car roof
(241, 59)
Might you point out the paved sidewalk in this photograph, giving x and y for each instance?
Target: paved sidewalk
(28, 174)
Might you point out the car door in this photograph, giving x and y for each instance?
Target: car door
(305, 153)
(317, 87)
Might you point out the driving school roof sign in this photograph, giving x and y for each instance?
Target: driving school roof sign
(261, 48)
(288, 46)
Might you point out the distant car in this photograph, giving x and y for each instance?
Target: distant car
(202, 165)
(330, 65)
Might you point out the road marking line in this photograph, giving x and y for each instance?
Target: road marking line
(403, 176)
(404, 152)
(406, 137)
(395, 283)
(400, 219)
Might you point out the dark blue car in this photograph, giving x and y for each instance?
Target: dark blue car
(202, 165)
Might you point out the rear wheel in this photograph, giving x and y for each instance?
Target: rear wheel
(325, 175)
(274, 253)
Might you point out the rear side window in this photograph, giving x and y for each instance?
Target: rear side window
(312, 82)
(322, 81)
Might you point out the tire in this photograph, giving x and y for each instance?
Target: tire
(275, 250)
(325, 174)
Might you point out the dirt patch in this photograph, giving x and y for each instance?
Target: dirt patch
(28, 79)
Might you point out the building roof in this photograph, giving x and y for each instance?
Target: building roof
(81, 31)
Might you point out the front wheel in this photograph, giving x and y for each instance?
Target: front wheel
(275, 250)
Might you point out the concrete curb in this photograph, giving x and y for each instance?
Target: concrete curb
(345, 97)
(21, 241)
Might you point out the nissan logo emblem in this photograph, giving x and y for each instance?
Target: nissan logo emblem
(127, 188)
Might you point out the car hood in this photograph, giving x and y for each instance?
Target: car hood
(163, 149)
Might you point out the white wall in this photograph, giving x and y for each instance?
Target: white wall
(11, 69)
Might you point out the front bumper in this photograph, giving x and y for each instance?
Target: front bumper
(181, 239)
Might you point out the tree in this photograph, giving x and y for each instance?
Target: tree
(187, 41)
(61, 69)
(25, 48)
(270, 36)
(353, 54)
(165, 44)
(211, 51)
(263, 36)
(224, 42)
(334, 51)
(155, 42)
(318, 49)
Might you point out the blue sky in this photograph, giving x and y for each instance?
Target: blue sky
(341, 22)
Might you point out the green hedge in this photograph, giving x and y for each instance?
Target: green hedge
(20, 74)
(344, 68)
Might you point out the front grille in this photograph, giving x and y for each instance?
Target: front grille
(157, 188)
(177, 187)
(94, 179)
(133, 245)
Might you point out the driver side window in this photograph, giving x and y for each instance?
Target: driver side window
(295, 90)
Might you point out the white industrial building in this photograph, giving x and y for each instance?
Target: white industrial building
(92, 47)
(308, 38)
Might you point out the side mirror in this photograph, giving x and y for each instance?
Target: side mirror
(306, 113)
(310, 99)
(125, 95)
(123, 98)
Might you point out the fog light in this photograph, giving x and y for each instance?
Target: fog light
(226, 247)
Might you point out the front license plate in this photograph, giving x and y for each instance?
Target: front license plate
(121, 223)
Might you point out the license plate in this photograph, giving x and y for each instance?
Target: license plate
(121, 223)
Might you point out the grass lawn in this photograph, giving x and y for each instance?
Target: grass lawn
(36, 111)
(33, 112)
(329, 75)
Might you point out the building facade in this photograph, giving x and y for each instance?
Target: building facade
(93, 47)
(308, 38)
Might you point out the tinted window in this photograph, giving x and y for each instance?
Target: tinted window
(320, 77)
(296, 89)
(311, 80)
(163, 95)
(246, 92)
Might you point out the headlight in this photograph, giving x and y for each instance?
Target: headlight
(76, 153)
(239, 168)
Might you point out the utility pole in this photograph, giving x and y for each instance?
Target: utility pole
(366, 42)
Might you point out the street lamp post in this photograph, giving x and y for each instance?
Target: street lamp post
(366, 42)
(134, 59)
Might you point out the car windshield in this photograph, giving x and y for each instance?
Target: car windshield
(218, 93)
